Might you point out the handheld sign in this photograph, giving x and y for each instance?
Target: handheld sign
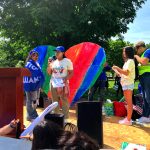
(39, 119)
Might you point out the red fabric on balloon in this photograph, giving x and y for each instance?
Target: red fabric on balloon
(82, 56)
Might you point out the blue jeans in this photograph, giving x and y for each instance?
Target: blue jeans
(30, 98)
(145, 84)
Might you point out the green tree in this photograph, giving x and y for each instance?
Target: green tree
(148, 45)
(11, 53)
(63, 22)
(114, 52)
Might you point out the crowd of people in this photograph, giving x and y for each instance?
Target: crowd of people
(128, 74)
(61, 70)
(48, 134)
(136, 66)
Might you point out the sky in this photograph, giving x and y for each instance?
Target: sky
(140, 28)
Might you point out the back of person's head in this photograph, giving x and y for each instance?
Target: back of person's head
(64, 138)
(129, 51)
(46, 135)
(77, 141)
(140, 44)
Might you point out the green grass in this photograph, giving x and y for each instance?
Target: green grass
(111, 93)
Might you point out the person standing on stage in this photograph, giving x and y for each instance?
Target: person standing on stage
(61, 70)
(33, 84)
(143, 58)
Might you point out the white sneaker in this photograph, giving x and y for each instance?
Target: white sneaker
(143, 120)
(125, 122)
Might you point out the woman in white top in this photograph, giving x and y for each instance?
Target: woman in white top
(127, 81)
(61, 70)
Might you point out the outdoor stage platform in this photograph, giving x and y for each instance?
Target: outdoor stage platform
(114, 133)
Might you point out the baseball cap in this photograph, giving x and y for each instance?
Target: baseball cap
(60, 48)
(33, 52)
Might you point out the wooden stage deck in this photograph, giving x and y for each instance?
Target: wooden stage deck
(114, 133)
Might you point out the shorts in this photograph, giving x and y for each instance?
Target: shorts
(128, 87)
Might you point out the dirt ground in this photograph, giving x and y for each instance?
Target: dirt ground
(114, 133)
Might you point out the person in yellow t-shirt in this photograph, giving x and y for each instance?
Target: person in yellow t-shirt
(127, 74)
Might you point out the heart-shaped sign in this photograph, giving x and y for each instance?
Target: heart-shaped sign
(88, 60)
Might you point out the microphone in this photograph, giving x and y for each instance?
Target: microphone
(50, 59)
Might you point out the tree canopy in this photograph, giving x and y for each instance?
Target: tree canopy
(28, 23)
(114, 52)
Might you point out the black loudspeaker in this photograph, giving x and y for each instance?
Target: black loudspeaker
(90, 120)
(57, 118)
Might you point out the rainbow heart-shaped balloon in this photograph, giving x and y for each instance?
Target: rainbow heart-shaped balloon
(88, 60)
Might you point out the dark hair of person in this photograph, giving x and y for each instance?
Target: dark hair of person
(129, 51)
(46, 135)
(140, 44)
(64, 138)
(77, 141)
